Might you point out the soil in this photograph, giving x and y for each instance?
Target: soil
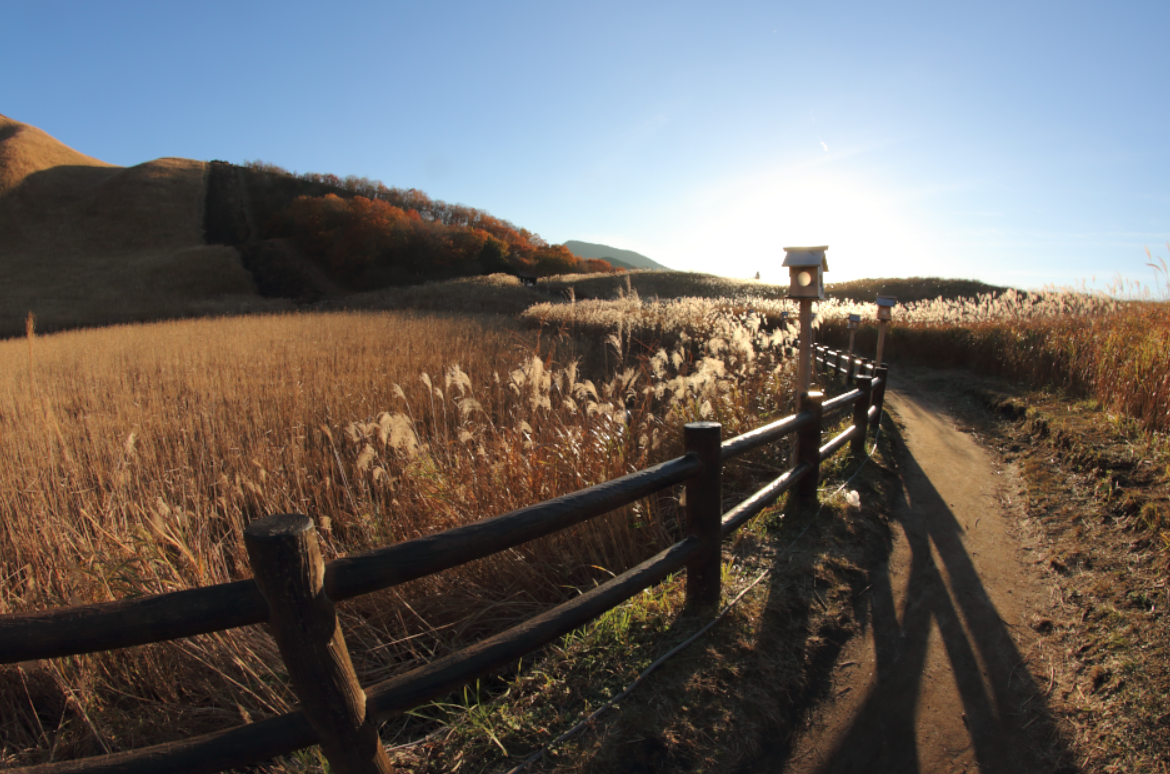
(940, 680)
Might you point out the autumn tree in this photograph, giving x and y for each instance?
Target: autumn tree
(596, 265)
(554, 259)
(369, 234)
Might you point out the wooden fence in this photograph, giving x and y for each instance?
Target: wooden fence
(294, 591)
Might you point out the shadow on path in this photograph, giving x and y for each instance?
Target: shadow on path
(1000, 721)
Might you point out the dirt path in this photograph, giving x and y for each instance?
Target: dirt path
(937, 682)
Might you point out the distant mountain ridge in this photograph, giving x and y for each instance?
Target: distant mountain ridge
(622, 259)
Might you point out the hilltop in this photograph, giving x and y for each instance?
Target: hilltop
(624, 259)
(27, 152)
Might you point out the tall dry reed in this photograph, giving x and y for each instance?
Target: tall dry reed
(131, 459)
(1091, 345)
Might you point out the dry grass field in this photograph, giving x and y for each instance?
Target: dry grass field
(1087, 425)
(1090, 345)
(132, 456)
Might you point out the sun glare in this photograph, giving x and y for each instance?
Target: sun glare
(738, 225)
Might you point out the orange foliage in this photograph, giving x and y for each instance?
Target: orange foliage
(369, 232)
(360, 236)
(597, 265)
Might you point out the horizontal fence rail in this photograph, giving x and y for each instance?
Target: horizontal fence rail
(294, 592)
(161, 617)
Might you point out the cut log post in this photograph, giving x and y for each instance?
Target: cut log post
(286, 561)
(704, 513)
(861, 415)
(804, 364)
(879, 394)
(808, 446)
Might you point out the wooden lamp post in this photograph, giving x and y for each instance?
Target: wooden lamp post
(885, 305)
(854, 324)
(806, 270)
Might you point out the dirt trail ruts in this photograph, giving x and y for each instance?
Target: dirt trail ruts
(938, 681)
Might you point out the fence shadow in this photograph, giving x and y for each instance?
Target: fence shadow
(1004, 710)
(792, 640)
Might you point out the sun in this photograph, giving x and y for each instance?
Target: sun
(738, 226)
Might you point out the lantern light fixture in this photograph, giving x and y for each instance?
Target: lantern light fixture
(885, 305)
(806, 271)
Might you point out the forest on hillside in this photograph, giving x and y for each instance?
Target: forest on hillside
(370, 235)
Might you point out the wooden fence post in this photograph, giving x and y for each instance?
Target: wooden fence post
(808, 445)
(861, 415)
(879, 394)
(704, 513)
(286, 561)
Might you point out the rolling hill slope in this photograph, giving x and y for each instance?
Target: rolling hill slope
(83, 242)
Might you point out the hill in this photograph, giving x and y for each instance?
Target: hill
(26, 151)
(84, 242)
(622, 259)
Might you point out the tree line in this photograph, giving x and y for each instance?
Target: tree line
(371, 234)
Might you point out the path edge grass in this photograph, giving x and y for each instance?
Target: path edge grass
(743, 687)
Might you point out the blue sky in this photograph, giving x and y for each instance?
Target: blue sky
(1021, 143)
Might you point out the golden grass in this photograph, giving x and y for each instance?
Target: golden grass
(655, 284)
(1088, 344)
(132, 457)
(488, 294)
(909, 289)
(26, 150)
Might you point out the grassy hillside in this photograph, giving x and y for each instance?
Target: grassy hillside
(910, 289)
(86, 243)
